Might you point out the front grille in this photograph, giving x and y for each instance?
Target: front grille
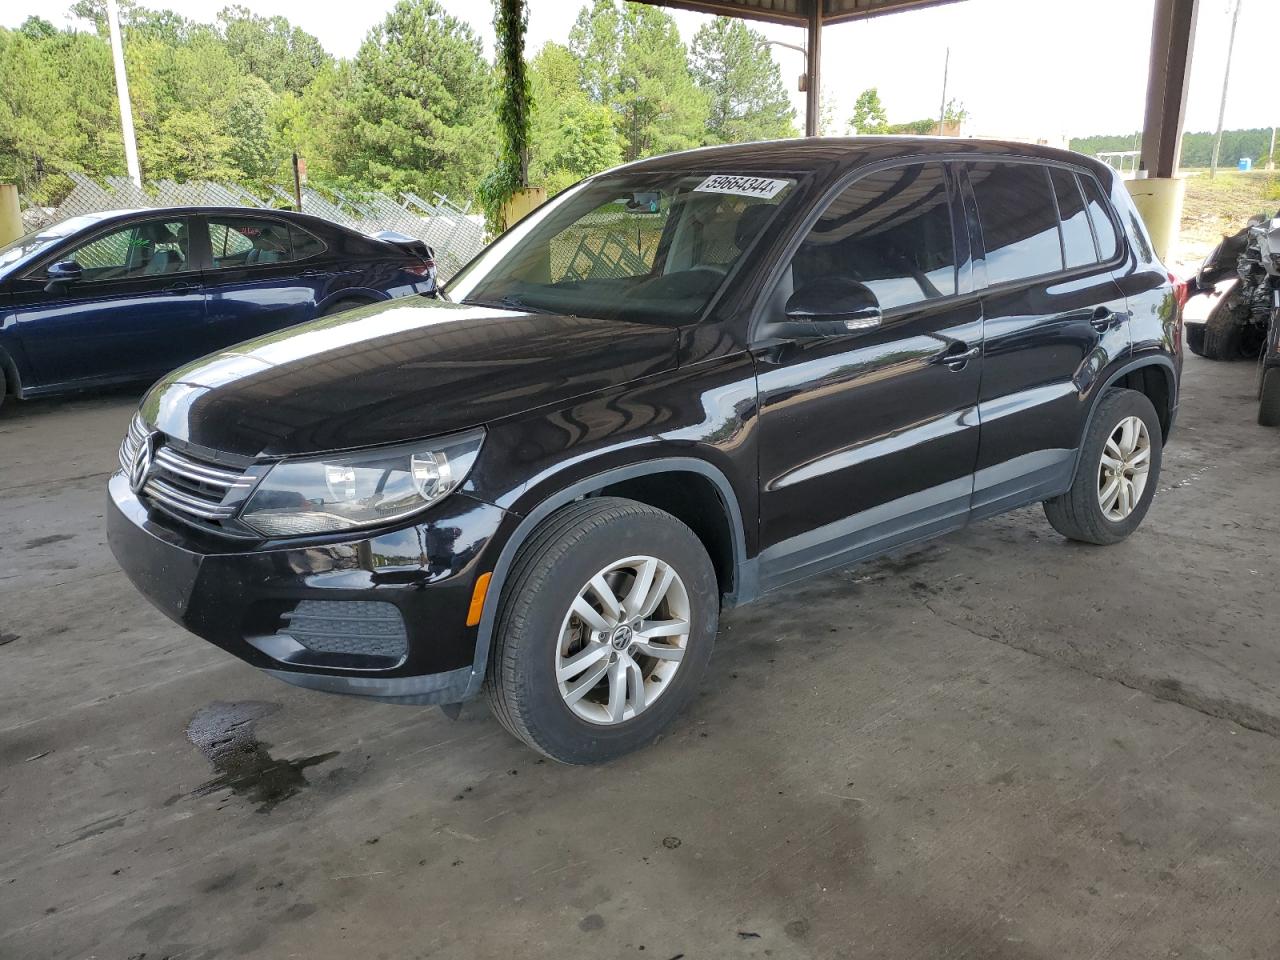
(190, 487)
(366, 628)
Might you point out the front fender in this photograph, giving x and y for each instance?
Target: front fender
(546, 502)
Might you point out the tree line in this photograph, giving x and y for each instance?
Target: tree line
(1197, 148)
(412, 110)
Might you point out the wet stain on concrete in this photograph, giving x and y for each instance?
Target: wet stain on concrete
(226, 734)
(45, 541)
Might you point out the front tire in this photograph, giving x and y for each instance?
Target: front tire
(604, 630)
(1117, 475)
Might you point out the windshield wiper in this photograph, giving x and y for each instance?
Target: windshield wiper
(508, 303)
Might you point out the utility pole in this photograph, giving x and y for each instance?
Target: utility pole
(1271, 154)
(1226, 81)
(122, 91)
(942, 111)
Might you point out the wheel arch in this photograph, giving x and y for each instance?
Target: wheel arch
(12, 385)
(657, 482)
(1155, 377)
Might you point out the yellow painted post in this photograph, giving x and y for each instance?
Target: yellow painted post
(522, 203)
(1159, 200)
(10, 214)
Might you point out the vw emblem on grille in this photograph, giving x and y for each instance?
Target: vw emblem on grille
(140, 463)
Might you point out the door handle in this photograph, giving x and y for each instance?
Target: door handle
(1104, 318)
(957, 355)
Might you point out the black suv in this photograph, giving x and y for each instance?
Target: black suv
(678, 385)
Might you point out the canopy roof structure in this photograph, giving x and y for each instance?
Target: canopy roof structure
(1173, 33)
(797, 12)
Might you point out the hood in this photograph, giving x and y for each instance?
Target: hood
(394, 372)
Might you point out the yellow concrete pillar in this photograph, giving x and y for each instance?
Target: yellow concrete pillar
(522, 203)
(1159, 200)
(10, 214)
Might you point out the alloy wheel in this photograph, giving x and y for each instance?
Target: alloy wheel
(1124, 468)
(622, 640)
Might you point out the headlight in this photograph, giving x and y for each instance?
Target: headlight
(363, 489)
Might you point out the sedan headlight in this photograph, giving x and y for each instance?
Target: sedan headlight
(368, 488)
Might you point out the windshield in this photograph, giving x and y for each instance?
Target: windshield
(647, 247)
(27, 247)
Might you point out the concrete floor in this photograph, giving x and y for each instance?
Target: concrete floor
(1001, 745)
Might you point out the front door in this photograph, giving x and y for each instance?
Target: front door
(137, 311)
(869, 440)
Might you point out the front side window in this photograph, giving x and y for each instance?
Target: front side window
(647, 247)
(248, 242)
(890, 230)
(1018, 218)
(147, 249)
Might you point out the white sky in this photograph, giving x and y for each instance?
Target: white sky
(1021, 67)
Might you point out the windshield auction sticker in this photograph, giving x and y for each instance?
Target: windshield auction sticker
(762, 187)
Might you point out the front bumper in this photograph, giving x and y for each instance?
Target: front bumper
(242, 599)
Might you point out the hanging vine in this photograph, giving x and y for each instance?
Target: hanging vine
(515, 107)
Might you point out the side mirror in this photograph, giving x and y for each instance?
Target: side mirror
(61, 274)
(831, 307)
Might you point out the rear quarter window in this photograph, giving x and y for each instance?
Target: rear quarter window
(1018, 218)
(1104, 226)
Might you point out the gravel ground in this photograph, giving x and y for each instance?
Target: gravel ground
(1000, 745)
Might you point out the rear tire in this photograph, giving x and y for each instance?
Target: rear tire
(536, 685)
(1222, 334)
(1087, 512)
(4, 386)
(1195, 338)
(1269, 398)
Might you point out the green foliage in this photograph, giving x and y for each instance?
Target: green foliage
(418, 108)
(286, 57)
(1197, 148)
(419, 105)
(573, 136)
(514, 108)
(633, 62)
(869, 115)
(746, 97)
(57, 109)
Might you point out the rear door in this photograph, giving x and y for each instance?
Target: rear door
(137, 312)
(869, 439)
(1053, 320)
(264, 274)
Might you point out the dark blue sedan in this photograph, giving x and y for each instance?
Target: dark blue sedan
(130, 295)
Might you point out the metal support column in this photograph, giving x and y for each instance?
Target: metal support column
(813, 70)
(1172, 38)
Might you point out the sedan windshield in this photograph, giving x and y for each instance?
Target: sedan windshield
(24, 248)
(653, 248)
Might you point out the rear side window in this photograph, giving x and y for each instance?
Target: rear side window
(304, 244)
(1077, 235)
(247, 242)
(1019, 220)
(890, 230)
(1103, 226)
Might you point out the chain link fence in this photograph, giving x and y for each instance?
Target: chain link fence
(454, 232)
